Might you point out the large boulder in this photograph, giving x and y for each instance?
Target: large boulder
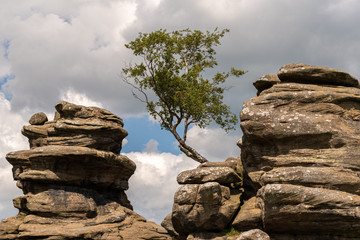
(55, 164)
(222, 175)
(254, 234)
(208, 198)
(207, 207)
(303, 210)
(74, 180)
(304, 73)
(301, 156)
(249, 216)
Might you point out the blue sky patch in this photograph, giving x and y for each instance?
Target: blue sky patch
(3, 80)
(141, 130)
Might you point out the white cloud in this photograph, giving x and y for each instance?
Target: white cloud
(8, 191)
(55, 47)
(153, 185)
(10, 140)
(79, 98)
(213, 143)
(151, 146)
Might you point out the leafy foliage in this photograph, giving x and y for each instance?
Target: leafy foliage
(172, 66)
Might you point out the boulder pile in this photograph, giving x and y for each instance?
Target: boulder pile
(301, 154)
(74, 180)
(208, 198)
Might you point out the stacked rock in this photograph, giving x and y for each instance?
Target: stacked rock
(301, 155)
(208, 199)
(74, 180)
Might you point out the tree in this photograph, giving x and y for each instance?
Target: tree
(171, 67)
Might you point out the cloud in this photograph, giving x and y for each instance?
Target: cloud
(79, 98)
(151, 146)
(153, 185)
(8, 192)
(10, 140)
(213, 143)
(55, 47)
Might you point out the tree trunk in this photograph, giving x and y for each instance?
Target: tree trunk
(191, 153)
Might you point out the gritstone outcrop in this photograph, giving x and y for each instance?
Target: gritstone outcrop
(74, 180)
(207, 200)
(301, 154)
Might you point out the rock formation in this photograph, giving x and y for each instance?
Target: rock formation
(301, 160)
(207, 200)
(298, 177)
(74, 180)
(301, 156)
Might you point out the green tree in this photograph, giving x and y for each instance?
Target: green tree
(171, 67)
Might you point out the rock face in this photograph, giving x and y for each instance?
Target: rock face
(301, 155)
(74, 181)
(208, 198)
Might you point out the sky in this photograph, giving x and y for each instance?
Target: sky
(52, 50)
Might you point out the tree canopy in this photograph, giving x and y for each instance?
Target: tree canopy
(172, 67)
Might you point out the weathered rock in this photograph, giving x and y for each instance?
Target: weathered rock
(57, 203)
(265, 82)
(167, 224)
(304, 210)
(304, 73)
(222, 175)
(78, 166)
(74, 181)
(118, 223)
(301, 125)
(77, 125)
(300, 147)
(230, 162)
(328, 177)
(203, 207)
(38, 119)
(249, 216)
(254, 234)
